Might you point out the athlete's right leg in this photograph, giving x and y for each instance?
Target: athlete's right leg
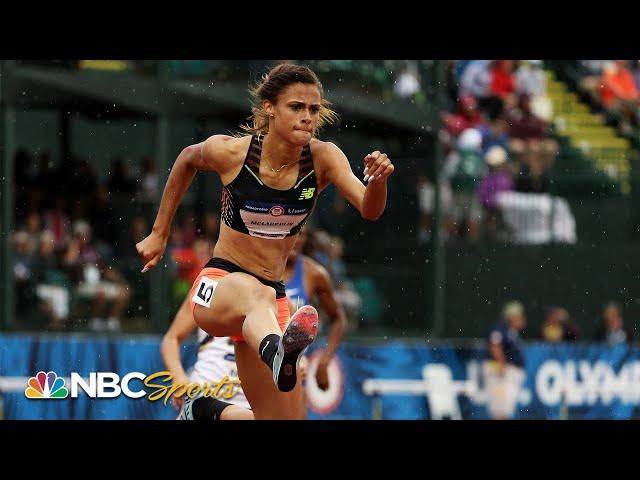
(238, 305)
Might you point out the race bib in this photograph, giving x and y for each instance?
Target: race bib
(204, 292)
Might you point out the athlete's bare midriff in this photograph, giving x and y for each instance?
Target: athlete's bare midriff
(265, 258)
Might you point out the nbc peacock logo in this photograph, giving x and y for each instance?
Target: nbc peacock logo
(46, 385)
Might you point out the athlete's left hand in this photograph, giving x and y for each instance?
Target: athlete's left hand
(322, 375)
(377, 167)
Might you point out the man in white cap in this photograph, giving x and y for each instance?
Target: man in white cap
(504, 371)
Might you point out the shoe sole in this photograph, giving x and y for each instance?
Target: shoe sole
(299, 334)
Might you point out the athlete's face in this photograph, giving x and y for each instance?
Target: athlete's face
(296, 113)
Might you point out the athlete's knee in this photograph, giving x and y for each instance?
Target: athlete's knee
(265, 294)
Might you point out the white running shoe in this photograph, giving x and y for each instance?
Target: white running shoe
(186, 412)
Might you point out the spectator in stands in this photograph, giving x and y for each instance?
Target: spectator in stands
(558, 326)
(591, 78)
(533, 176)
(50, 282)
(495, 133)
(57, 222)
(504, 371)
(497, 180)
(464, 167)
(502, 79)
(500, 92)
(530, 78)
(467, 116)
(619, 93)
(532, 82)
(476, 79)
(426, 205)
(529, 133)
(618, 84)
(407, 85)
(613, 330)
(96, 280)
(457, 69)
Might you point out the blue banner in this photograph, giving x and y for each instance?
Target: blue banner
(585, 381)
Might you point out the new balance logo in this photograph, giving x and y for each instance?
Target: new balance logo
(307, 193)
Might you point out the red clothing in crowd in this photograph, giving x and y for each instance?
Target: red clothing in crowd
(617, 83)
(189, 265)
(524, 126)
(502, 81)
(467, 116)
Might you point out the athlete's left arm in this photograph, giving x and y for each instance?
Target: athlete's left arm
(323, 287)
(370, 200)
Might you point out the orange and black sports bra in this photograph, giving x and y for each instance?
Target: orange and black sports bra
(249, 206)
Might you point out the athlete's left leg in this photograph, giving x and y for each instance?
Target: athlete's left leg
(267, 402)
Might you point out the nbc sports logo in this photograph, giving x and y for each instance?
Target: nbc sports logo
(46, 385)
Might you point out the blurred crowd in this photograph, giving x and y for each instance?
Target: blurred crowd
(614, 89)
(559, 326)
(505, 368)
(497, 139)
(74, 261)
(68, 235)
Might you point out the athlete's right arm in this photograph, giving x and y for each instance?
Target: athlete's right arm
(208, 155)
(180, 329)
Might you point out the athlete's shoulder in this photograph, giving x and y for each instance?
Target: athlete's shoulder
(324, 150)
(223, 152)
(329, 161)
(226, 145)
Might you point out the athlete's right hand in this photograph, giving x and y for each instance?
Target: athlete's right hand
(178, 400)
(151, 249)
